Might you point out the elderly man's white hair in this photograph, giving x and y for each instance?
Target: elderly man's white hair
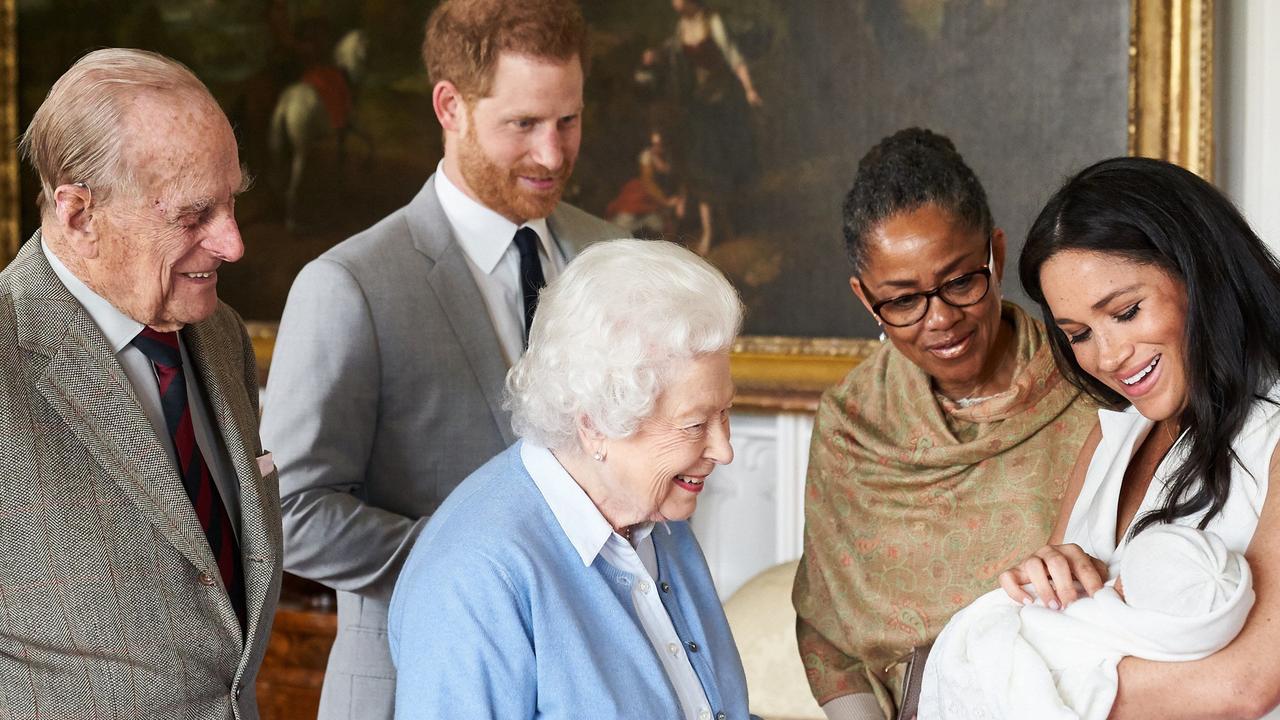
(77, 133)
(607, 334)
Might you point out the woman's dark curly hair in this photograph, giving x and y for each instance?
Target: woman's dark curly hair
(1158, 214)
(908, 169)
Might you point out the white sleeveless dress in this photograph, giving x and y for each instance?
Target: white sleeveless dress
(1092, 525)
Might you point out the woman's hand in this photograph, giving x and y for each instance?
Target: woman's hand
(1054, 570)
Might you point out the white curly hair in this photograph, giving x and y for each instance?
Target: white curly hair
(607, 334)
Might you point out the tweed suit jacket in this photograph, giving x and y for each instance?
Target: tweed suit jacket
(385, 392)
(111, 604)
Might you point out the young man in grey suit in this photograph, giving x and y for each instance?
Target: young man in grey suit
(386, 384)
(140, 547)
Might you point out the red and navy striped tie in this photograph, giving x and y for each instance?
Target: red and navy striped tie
(162, 350)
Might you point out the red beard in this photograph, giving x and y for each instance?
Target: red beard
(499, 188)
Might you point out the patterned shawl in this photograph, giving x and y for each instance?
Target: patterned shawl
(906, 523)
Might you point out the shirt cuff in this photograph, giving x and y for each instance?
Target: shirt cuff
(858, 706)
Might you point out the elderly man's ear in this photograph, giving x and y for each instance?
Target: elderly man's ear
(74, 209)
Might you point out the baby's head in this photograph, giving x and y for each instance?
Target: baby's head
(1180, 571)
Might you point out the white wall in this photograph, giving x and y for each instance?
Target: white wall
(1248, 111)
(751, 515)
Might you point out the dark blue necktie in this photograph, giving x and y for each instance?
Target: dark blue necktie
(531, 277)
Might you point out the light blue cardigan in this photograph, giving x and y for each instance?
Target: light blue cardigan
(495, 616)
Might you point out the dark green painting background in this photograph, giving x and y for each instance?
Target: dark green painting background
(1028, 89)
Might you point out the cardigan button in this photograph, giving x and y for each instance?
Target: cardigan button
(693, 646)
(664, 587)
(721, 716)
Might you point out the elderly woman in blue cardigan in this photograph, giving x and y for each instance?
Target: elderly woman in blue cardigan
(561, 580)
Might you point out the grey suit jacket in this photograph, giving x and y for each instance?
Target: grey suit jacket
(111, 604)
(385, 392)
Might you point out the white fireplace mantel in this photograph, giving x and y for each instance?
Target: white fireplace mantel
(751, 515)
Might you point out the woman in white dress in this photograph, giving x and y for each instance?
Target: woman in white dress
(1168, 309)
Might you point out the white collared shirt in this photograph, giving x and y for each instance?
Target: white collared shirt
(591, 535)
(120, 330)
(486, 239)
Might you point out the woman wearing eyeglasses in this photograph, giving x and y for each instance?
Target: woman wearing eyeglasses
(942, 458)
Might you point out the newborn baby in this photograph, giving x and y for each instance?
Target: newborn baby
(1185, 597)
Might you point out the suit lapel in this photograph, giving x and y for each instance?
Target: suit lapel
(81, 379)
(233, 412)
(87, 387)
(451, 281)
(562, 235)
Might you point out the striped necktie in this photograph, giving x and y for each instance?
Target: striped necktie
(162, 350)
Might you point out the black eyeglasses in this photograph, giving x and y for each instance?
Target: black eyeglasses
(960, 291)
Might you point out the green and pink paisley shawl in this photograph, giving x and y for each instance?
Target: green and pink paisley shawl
(914, 506)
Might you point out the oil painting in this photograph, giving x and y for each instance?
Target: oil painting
(732, 127)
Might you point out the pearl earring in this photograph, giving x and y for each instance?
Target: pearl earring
(597, 456)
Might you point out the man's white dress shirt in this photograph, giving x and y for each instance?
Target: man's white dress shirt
(487, 241)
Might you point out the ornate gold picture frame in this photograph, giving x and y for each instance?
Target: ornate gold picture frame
(1169, 116)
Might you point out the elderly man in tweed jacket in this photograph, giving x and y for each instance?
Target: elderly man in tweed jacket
(140, 545)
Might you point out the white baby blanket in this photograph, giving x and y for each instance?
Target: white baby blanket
(1187, 597)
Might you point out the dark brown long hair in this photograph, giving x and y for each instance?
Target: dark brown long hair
(1156, 213)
